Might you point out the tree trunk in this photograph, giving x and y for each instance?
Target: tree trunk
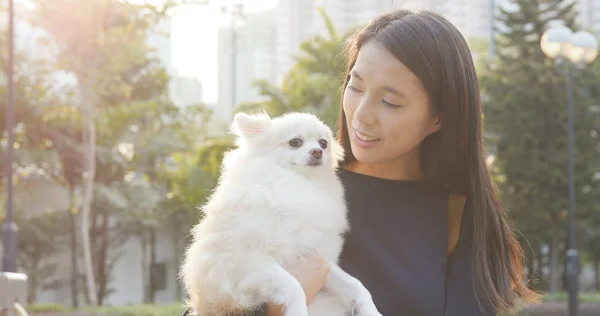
(88, 183)
(32, 283)
(74, 267)
(597, 272)
(93, 233)
(531, 271)
(176, 255)
(540, 263)
(152, 278)
(554, 273)
(145, 269)
(73, 245)
(103, 259)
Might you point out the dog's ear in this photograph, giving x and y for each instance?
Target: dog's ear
(250, 126)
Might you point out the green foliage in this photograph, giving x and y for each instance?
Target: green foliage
(40, 239)
(46, 308)
(102, 44)
(526, 111)
(190, 181)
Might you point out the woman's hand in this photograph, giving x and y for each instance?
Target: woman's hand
(311, 271)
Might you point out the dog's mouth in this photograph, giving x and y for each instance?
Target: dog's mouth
(314, 162)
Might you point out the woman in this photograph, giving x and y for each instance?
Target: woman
(411, 125)
(428, 235)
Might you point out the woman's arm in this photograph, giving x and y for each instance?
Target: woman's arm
(461, 298)
(262, 311)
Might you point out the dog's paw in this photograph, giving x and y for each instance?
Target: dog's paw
(299, 309)
(296, 312)
(365, 309)
(367, 312)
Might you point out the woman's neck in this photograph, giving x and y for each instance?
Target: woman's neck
(400, 169)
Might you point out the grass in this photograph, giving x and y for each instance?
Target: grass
(130, 310)
(586, 297)
(556, 302)
(47, 308)
(142, 310)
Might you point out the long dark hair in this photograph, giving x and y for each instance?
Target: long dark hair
(436, 52)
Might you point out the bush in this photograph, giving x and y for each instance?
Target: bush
(142, 310)
(589, 297)
(46, 308)
(555, 304)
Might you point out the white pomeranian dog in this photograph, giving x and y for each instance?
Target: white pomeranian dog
(278, 197)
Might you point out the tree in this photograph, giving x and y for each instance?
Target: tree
(526, 110)
(160, 134)
(41, 239)
(313, 84)
(36, 96)
(55, 133)
(190, 179)
(588, 203)
(103, 43)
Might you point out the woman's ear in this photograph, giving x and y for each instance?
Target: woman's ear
(437, 124)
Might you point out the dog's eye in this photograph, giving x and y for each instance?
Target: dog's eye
(323, 143)
(295, 142)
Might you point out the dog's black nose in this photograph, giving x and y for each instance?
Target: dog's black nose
(316, 152)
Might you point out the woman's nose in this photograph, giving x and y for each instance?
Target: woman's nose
(365, 113)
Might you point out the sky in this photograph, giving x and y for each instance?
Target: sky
(194, 38)
(195, 29)
(194, 44)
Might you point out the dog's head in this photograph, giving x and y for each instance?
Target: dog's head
(293, 139)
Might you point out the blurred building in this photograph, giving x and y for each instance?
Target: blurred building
(255, 58)
(267, 42)
(182, 90)
(589, 15)
(346, 14)
(185, 91)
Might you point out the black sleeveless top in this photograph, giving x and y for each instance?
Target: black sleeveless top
(397, 247)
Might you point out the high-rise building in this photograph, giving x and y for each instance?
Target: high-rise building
(589, 15)
(346, 14)
(293, 24)
(255, 58)
(185, 91)
(182, 90)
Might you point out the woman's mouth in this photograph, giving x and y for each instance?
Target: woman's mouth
(363, 140)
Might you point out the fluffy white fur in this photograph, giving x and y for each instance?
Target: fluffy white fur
(273, 203)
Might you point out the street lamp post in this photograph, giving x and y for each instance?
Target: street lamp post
(10, 228)
(572, 49)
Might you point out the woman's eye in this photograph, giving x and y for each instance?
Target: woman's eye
(351, 88)
(295, 142)
(391, 105)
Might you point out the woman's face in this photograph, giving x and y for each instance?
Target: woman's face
(386, 108)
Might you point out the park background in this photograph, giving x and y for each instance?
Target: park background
(156, 84)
